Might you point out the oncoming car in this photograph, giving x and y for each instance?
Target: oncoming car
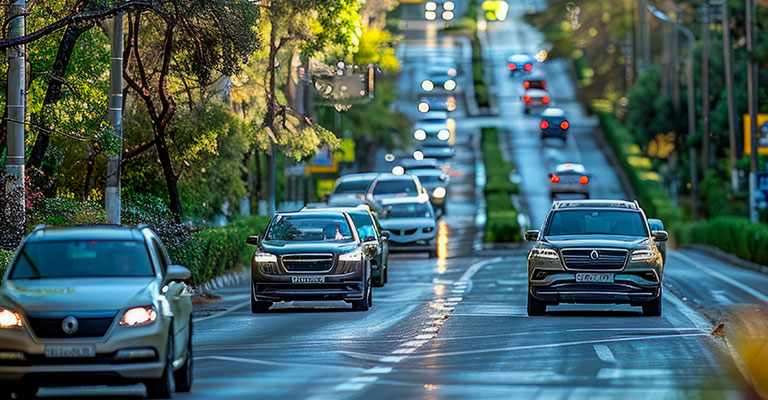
(595, 251)
(94, 305)
(311, 255)
(569, 181)
(411, 225)
(349, 190)
(435, 181)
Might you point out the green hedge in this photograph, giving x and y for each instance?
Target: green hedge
(735, 235)
(501, 224)
(651, 195)
(5, 259)
(211, 252)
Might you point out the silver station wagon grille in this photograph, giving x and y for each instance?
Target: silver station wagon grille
(307, 262)
(585, 258)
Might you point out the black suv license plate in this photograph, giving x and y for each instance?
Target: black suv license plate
(307, 279)
(597, 278)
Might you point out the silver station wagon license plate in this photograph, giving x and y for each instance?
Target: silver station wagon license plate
(597, 278)
(70, 351)
(307, 279)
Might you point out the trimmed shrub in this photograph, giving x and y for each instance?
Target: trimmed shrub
(501, 224)
(5, 259)
(735, 235)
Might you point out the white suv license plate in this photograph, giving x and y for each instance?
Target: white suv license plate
(307, 279)
(596, 278)
(70, 351)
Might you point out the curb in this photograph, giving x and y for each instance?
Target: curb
(727, 257)
(230, 278)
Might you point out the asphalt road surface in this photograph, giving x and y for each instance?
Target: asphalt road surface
(456, 326)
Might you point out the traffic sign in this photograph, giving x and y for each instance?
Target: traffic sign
(762, 132)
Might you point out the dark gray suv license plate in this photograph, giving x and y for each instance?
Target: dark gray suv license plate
(307, 279)
(70, 351)
(597, 278)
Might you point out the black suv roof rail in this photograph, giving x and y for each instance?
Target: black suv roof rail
(559, 204)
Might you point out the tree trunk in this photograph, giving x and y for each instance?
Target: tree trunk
(171, 179)
(53, 93)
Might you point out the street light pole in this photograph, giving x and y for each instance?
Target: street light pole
(16, 102)
(112, 192)
(752, 101)
(705, 159)
(728, 61)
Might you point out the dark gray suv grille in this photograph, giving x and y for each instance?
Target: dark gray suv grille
(607, 259)
(307, 262)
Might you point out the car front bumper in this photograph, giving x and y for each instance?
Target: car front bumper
(342, 290)
(615, 293)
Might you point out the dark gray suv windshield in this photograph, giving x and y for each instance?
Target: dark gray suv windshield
(82, 258)
(596, 222)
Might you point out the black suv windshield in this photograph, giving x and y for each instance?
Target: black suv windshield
(596, 222)
(82, 258)
(299, 228)
(353, 187)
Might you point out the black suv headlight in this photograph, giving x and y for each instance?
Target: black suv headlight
(544, 253)
(647, 255)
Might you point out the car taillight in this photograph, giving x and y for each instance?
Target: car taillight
(584, 180)
(512, 66)
(528, 67)
(564, 125)
(543, 84)
(527, 99)
(545, 100)
(555, 178)
(544, 124)
(527, 84)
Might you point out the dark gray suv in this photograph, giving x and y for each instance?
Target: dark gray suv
(595, 251)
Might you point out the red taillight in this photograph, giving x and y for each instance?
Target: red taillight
(555, 178)
(545, 100)
(584, 180)
(511, 66)
(544, 124)
(543, 84)
(564, 125)
(527, 99)
(528, 67)
(527, 84)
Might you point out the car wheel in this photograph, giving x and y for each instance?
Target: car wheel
(23, 392)
(536, 307)
(653, 307)
(258, 307)
(527, 111)
(164, 387)
(386, 274)
(378, 281)
(366, 302)
(183, 376)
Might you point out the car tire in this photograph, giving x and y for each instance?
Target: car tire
(366, 302)
(433, 253)
(163, 387)
(380, 280)
(22, 392)
(527, 111)
(184, 375)
(653, 307)
(258, 307)
(536, 307)
(386, 274)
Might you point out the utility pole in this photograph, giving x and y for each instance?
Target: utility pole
(752, 100)
(705, 159)
(112, 192)
(728, 61)
(16, 102)
(644, 60)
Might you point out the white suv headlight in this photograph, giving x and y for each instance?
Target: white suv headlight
(355, 255)
(264, 258)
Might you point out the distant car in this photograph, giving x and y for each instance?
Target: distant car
(438, 82)
(388, 185)
(311, 255)
(657, 225)
(437, 149)
(569, 181)
(535, 82)
(438, 102)
(520, 64)
(595, 251)
(411, 164)
(349, 190)
(436, 183)
(535, 100)
(554, 124)
(432, 124)
(95, 305)
(411, 224)
(368, 226)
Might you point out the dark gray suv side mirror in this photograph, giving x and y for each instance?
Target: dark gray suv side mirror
(254, 240)
(660, 236)
(532, 235)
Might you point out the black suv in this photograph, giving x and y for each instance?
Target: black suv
(595, 251)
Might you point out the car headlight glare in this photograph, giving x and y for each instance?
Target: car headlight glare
(355, 255)
(449, 85)
(644, 255)
(444, 134)
(139, 316)
(10, 319)
(439, 192)
(546, 253)
(419, 134)
(264, 258)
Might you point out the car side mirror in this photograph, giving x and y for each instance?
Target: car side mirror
(660, 236)
(177, 273)
(254, 240)
(532, 235)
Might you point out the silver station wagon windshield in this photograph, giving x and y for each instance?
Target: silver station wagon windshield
(596, 222)
(298, 228)
(82, 258)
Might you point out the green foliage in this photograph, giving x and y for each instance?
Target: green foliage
(5, 259)
(63, 211)
(501, 225)
(376, 47)
(734, 235)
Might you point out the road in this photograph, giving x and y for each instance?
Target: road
(456, 326)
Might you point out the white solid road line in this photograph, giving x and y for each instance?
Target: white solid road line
(698, 320)
(219, 314)
(748, 289)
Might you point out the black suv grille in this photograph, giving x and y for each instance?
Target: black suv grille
(50, 328)
(307, 262)
(606, 259)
